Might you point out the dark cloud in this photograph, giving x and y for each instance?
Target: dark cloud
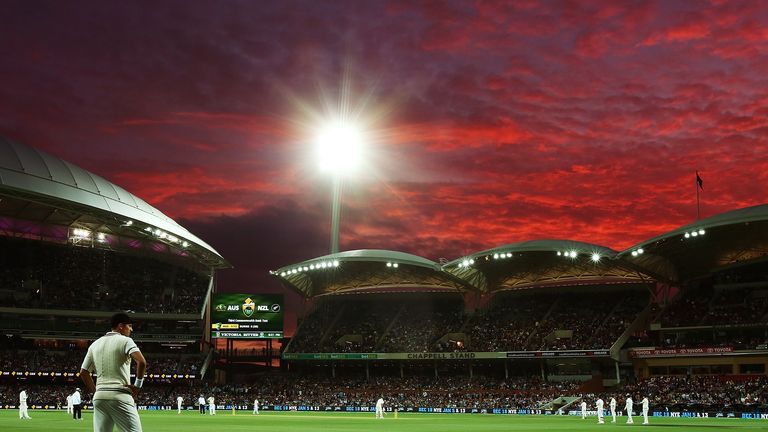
(494, 121)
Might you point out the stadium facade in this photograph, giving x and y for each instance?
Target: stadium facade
(75, 248)
(579, 317)
(691, 301)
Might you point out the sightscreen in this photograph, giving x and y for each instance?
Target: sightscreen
(247, 316)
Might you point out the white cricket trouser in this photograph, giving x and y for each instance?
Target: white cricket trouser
(110, 413)
(379, 412)
(645, 416)
(629, 416)
(600, 416)
(613, 413)
(70, 408)
(212, 409)
(255, 410)
(23, 412)
(178, 405)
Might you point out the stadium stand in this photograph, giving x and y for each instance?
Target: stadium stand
(680, 318)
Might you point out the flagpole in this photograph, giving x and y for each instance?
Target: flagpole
(698, 206)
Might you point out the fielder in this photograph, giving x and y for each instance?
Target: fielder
(583, 410)
(211, 405)
(179, 400)
(613, 409)
(114, 400)
(599, 407)
(645, 410)
(628, 408)
(380, 408)
(70, 408)
(23, 415)
(256, 407)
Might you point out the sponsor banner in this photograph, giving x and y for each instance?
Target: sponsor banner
(34, 374)
(444, 355)
(675, 352)
(559, 354)
(758, 415)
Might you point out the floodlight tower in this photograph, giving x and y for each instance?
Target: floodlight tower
(339, 147)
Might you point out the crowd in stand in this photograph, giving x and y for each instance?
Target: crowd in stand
(23, 355)
(52, 276)
(697, 393)
(703, 392)
(711, 306)
(421, 324)
(509, 323)
(293, 389)
(376, 323)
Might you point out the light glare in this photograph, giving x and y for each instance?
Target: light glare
(340, 147)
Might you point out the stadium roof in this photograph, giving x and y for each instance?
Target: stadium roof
(543, 262)
(367, 270)
(708, 245)
(36, 186)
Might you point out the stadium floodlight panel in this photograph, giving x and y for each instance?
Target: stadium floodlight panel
(634, 253)
(640, 251)
(701, 231)
(82, 233)
(340, 147)
(595, 257)
(572, 254)
(687, 235)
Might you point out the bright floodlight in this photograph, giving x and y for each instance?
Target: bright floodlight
(595, 257)
(340, 147)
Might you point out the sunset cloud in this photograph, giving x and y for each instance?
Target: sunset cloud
(493, 121)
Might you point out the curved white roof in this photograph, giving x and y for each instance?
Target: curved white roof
(27, 169)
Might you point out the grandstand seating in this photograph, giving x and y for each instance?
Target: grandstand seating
(417, 323)
(44, 275)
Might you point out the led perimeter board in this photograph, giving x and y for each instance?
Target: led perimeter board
(247, 316)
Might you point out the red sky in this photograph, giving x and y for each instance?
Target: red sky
(491, 122)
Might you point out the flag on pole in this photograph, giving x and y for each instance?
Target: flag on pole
(699, 181)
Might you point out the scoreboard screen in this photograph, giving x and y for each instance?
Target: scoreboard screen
(247, 316)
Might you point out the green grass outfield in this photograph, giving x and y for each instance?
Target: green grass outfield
(166, 421)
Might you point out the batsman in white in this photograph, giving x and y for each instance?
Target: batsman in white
(380, 408)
